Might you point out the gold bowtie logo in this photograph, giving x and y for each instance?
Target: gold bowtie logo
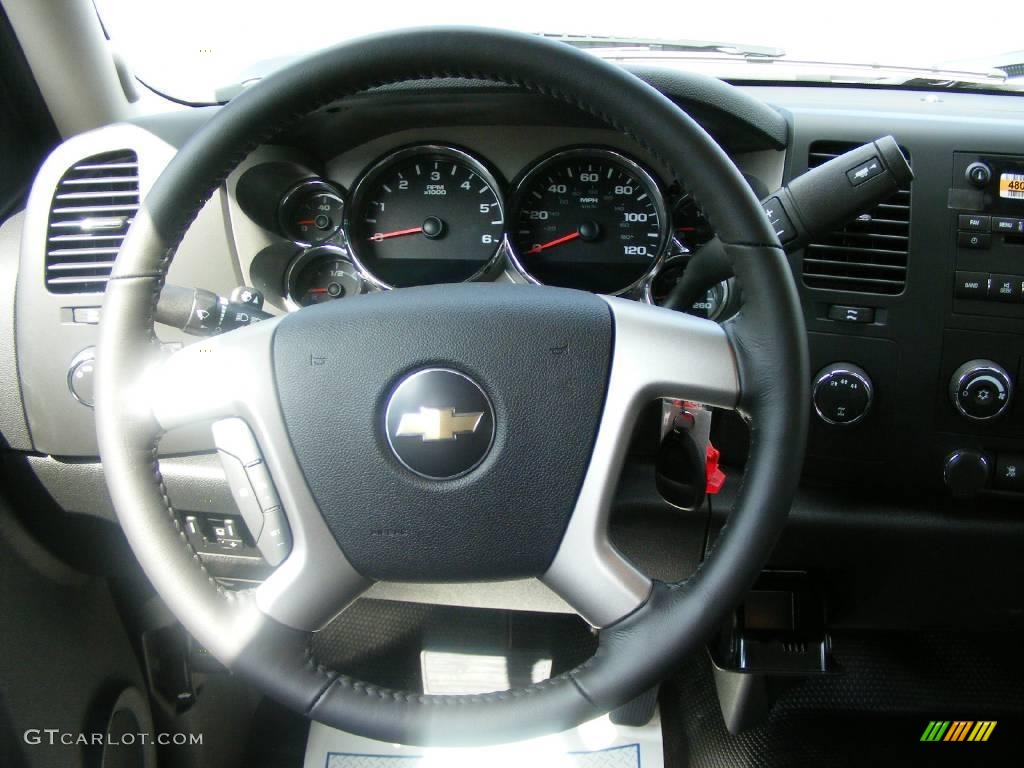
(437, 424)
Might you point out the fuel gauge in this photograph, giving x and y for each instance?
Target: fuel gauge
(321, 274)
(311, 212)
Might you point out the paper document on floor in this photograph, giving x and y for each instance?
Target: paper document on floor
(596, 744)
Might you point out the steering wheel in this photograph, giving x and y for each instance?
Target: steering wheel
(464, 432)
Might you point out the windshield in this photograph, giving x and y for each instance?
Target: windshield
(199, 50)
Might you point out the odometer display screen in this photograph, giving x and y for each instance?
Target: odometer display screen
(588, 219)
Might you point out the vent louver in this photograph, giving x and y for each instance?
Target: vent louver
(93, 206)
(867, 255)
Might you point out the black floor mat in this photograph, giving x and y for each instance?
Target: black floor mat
(872, 713)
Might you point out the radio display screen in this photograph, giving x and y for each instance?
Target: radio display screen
(1011, 186)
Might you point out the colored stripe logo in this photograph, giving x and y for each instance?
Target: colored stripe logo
(958, 730)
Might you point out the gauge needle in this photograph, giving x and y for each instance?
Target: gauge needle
(304, 221)
(397, 233)
(552, 243)
(317, 290)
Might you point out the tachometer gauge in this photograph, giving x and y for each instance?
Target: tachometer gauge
(311, 212)
(426, 214)
(588, 218)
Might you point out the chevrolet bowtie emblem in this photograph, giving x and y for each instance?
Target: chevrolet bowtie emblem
(437, 424)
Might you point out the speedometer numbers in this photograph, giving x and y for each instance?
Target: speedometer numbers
(426, 214)
(588, 219)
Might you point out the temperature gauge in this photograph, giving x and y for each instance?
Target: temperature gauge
(311, 212)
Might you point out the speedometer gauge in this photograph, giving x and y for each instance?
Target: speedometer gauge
(588, 218)
(425, 214)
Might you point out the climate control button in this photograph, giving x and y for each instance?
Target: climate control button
(981, 390)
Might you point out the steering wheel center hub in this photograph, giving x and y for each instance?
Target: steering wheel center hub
(435, 425)
(439, 423)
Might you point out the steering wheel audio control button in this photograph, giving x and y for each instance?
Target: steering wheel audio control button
(253, 489)
(275, 542)
(232, 436)
(242, 492)
(262, 486)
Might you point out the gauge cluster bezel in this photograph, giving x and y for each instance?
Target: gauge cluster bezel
(308, 257)
(505, 260)
(521, 187)
(382, 165)
(311, 186)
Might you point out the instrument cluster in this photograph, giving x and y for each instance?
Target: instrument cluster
(582, 217)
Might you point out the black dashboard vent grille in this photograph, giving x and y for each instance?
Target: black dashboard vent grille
(868, 254)
(93, 206)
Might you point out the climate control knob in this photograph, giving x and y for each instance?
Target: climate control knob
(842, 394)
(981, 390)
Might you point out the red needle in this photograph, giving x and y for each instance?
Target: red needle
(552, 243)
(397, 233)
(317, 290)
(686, 229)
(304, 221)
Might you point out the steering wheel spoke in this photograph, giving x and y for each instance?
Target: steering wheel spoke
(228, 380)
(657, 353)
(217, 377)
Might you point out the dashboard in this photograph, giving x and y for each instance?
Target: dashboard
(914, 308)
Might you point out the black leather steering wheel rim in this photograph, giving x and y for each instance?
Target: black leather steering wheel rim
(767, 337)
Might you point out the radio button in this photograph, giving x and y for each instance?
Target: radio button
(1007, 226)
(1005, 288)
(975, 240)
(974, 223)
(971, 285)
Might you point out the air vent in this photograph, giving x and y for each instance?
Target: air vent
(867, 255)
(92, 208)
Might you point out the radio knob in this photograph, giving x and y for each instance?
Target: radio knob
(842, 394)
(978, 175)
(981, 390)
